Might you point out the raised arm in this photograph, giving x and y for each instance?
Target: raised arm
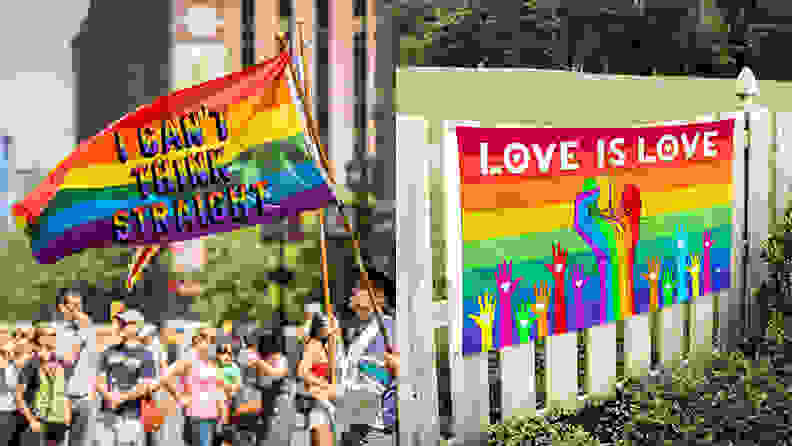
(264, 368)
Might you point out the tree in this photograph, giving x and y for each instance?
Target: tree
(237, 282)
(28, 285)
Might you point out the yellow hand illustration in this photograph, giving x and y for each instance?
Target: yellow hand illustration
(542, 293)
(484, 320)
(694, 268)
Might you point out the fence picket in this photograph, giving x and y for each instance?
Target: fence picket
(518, 378)
(670, 334)
(562, 382)
(601, 363)
(637, 345)
(469, 381)
(701, 324)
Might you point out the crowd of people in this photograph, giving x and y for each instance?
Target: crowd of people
(229, 387)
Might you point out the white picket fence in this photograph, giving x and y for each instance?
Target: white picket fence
(418, 316)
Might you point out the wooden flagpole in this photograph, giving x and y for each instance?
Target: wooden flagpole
(322, 227)
(290, 72)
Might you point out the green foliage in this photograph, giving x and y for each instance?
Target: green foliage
(235, 283)
(420, 34)
(518, 429)
(775, 327)
(28, 284)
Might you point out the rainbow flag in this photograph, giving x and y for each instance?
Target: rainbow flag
(565, 229)
(208, 159)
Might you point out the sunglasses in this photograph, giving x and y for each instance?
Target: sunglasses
(204, 337)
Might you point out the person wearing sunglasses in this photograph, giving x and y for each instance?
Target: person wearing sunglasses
(72, 321)
(125, 375)
(41, 392)
(201, 395)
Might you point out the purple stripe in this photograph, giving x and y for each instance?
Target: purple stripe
(99, 233)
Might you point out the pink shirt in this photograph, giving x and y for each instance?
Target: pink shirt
(202, 386)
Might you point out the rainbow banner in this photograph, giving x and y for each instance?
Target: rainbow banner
(564, 229)
(212, 158)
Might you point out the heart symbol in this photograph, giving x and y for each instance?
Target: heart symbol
(524, 323)
(505, 287)
(680, 244)
(559, 267)
(653, 276)
(579, 283)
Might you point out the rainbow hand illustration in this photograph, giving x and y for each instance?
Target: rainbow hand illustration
(595, 234)
(579, 281)
(506, 287)
(525, 320)
(706, 267)
(653, 277)
(484, 320)
(557, 269)
(631, 207)
(694, 268)
(682, 247)
(668, 288)
(542, 293)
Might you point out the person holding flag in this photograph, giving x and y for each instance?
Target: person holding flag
(367, 368)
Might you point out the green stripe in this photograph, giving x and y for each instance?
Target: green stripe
(534, 245)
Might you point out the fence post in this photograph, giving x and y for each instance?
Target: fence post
(469, 382)
(783, 164)
(418, 408)
(758, 206)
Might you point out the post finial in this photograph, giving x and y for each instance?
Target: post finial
(747, 85)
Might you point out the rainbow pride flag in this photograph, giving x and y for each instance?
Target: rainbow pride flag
(208, 159)
(565, 229)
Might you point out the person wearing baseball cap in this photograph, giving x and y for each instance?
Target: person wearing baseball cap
(125, 374)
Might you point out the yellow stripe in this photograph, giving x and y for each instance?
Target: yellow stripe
(245, 131)
(496, 223)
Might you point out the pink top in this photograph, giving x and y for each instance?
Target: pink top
(201, 384)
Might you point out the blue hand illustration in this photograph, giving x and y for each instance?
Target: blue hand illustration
(682, 249)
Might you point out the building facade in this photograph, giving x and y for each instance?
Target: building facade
(128, 53)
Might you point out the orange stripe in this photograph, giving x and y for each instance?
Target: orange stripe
(537, 192)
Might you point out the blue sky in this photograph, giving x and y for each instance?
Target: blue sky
(36, 61)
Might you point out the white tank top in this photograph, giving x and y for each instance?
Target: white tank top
(8, 388)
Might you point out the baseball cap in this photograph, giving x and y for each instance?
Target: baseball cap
(130, 316)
